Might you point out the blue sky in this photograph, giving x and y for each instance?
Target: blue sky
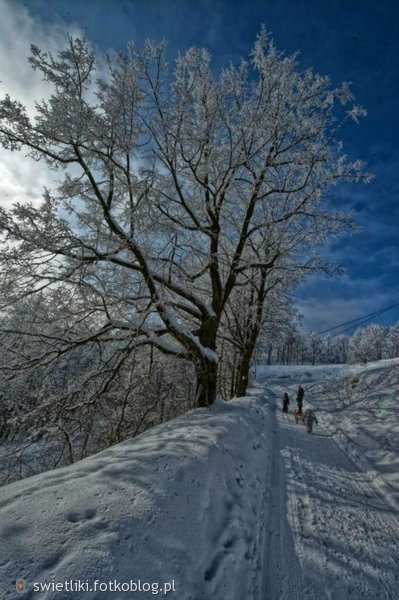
(351, 40)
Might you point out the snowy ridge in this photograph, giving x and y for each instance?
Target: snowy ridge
(181, 502)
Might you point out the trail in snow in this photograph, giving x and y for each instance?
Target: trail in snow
(282, 571)
(330, 534)
(233, 502)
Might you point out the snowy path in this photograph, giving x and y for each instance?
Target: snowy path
(329, 534)
(233, 502)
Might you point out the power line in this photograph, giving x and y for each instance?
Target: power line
(355, 325)
(358, 321)
(349, 322)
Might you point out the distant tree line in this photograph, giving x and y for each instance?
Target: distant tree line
(291, 345)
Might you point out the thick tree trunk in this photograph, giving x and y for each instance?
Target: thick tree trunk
(243, 372)
(207, 371)
(207, 368)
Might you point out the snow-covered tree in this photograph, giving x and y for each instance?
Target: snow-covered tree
(367, 343)
(339, 352)
(175, 185)
(391, 343)
(64, 410)
(257, 313)
(281, 324)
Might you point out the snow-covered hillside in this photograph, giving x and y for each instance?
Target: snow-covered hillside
(232, 502)
(358, 405)
(183, 502)
(332, 533)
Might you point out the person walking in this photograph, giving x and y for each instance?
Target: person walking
(299, 399)
(286, 401)
(309, 418)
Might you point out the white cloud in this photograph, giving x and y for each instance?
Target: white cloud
(21, 178)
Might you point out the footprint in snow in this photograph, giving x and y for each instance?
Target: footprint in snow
(77, 517)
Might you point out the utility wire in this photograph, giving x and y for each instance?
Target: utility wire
(352, 326)
(348, 322)
(358, 321)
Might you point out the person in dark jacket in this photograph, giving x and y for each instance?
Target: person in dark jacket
(299, 399)
(286, 402)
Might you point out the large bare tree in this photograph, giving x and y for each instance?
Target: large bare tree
(175, 187)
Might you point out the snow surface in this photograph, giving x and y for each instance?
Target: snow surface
(358, 405)
(234, 502)
(332, 533)
(181, 502)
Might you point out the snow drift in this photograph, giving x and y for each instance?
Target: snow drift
(181, 502)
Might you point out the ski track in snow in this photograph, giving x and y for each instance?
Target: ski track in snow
(330, 534)
(282, 574)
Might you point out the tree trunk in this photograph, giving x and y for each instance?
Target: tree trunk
(269, 355)
(207, 368)
(207, 371)
(243, 372)
(251, 335)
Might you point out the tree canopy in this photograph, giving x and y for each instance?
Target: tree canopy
(180, 189)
